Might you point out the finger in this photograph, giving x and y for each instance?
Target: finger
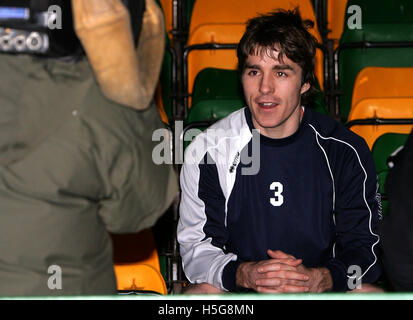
(288, 261)
(278, 282)
(274, 265)
(271, 282)
(292, 288)
(297, 283)
(278, 254)
(286, 274)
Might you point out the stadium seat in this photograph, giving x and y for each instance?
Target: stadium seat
(335, 19)
(377, 82)
(223, 22)
(384, 146)
(381, 108)
(373, 88)
(385, 39)
(136, 263)
(139, 277)
(217, 92)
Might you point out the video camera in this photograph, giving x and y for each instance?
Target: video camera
(42, 27)
(45, 27)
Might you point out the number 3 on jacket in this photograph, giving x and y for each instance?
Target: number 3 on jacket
(279, 199)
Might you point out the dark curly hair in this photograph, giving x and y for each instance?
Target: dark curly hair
(287, 33)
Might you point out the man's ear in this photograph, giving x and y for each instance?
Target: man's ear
(305, 87)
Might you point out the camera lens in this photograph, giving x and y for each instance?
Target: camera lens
(19, 42)
(34, 41)
(5, 42)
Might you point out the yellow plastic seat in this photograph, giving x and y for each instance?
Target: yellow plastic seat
(376, 82)
(217, 21)
(386, 108)
(336, 11)
(139, 277)
(382, 93)
(136, 262)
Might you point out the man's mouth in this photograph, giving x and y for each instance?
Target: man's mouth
(268, 105)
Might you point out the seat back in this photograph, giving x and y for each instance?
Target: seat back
(383, 108)
(136, 263)
(383, 21)
(376, 82)
(139, 277)
(336, 10)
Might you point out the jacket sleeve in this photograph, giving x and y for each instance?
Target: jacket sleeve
(202, 232)
(137, 191)
(357, 213)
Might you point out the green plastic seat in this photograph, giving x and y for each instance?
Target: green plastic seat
(216, 94)
(212, 83)
(384, 146)
(382, 21)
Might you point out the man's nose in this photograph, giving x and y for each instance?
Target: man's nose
(267, 84)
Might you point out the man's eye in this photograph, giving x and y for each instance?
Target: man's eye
(252, 72)
(281, 74)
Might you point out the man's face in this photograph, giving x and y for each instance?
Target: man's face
(272, 90)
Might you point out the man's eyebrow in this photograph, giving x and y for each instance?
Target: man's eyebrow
(276, 67)
(283, 67)
(251, 66)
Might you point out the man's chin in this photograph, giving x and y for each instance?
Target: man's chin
(262, 126)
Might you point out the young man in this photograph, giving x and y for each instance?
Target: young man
(306, 220)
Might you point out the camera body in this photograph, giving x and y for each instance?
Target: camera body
(45, 27)
(40, 27)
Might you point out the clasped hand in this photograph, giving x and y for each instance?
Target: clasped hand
(282, 273)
